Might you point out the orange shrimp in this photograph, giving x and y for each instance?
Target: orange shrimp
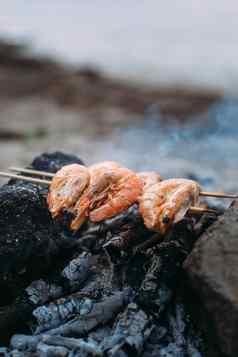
(66, 187)
(149, 178)
(112, 190)
(103, 166)
(99, 181)
(167, 202)
(123, 191)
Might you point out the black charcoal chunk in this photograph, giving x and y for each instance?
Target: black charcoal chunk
(44, 350)
(28, 241)
(52, 162)
(4, 352)
(101, 313)
(16, 353)
(24, 342)
(125, 230)
(87, 347)
(52, 315)
(40, 291)
(171, 350)
(161, 277)
(175, 335)
(100, 333)
(182, 332)
(131, 330)
(79, 269)
(129, 217)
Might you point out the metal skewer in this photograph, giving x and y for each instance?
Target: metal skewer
(193, 210)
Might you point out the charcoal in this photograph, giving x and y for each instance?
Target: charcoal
(78, 270)
(24, 342)
(70, 279)
(100, 333)
(16, 353)
(171, 350)
(59, 311)
(125, 231)
(40, 291)
(193, 351)
(4, 352)
(16, 314)
(163, 271)
(52, 162)
(175, 335)
(28, 240)
(154, 294)
(121, 232)
(13, 317)
(100, 314)
(100, 283)
(177, 341)
(131, 330)
(65, 282)
(79, 345)
(44, 350)
(19, 312)
(131, 216)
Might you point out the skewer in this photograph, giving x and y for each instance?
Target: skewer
(217, 194)
(48, 174)
(31, 171)
(201, 210)
(193, 210)
(25, 178)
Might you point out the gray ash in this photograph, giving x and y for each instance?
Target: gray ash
(91, 293)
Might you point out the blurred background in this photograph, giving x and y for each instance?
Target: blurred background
(150, 84)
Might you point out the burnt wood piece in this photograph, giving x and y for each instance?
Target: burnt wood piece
(100, 314)
(13, 317)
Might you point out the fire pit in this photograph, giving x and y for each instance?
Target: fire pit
(77, 294)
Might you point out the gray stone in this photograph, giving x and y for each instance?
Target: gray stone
(212, 269)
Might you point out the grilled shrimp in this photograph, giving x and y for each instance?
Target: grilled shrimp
(149, 178)
(66, 187)
(165, 203)
(124, 190)
(104, 166)
(112, 190)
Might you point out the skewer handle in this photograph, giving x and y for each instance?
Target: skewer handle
(201, 210)
(31, 171)
(217, 194)
(25, 178)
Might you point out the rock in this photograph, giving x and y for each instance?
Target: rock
(52, 162)
(212, 270)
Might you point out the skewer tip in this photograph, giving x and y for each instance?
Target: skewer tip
(218, 194)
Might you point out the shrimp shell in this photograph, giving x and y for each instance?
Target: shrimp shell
(112, 190)
(66, 187)
(165, 203)
(124, 191)
(149, 178)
